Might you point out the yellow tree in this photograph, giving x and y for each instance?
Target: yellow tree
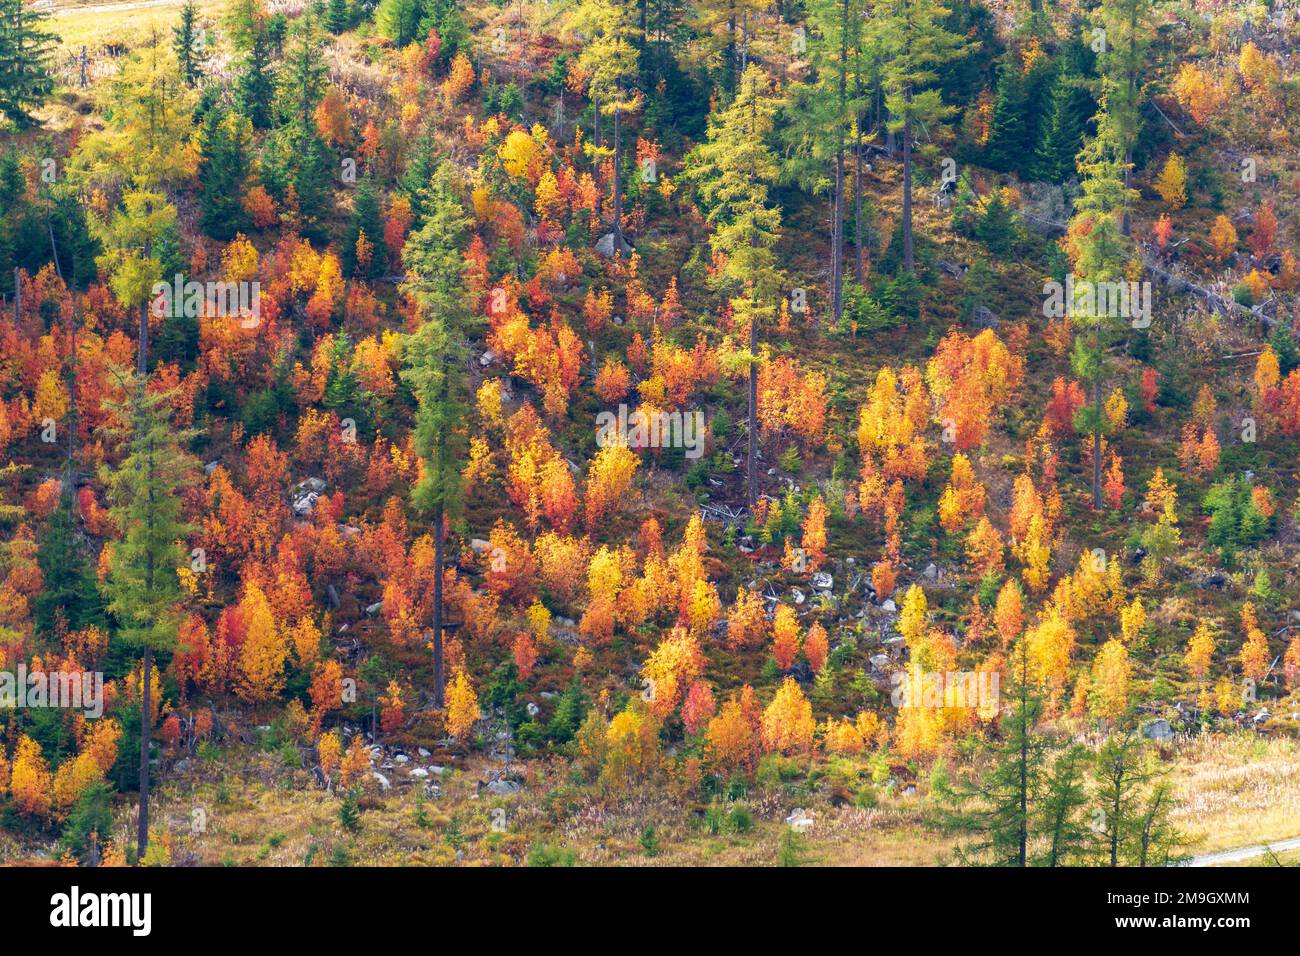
(788, 721)
(263, 653)
(1200, 652)
(462, 706)
(1171, 184)
(1109, 687)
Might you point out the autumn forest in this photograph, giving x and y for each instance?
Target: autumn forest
(649, 432)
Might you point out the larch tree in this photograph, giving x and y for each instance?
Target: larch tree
(913, 42)
(143, 590)
(1100, 254)
(733, 170)
(1126, 33)
(435, 369)
(610, 58)
(999, 804)
(823, 113)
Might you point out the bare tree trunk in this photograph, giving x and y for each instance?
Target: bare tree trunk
(438, 680)
(753, 410)
(146, 733)
(909, 254)
(1096, 444)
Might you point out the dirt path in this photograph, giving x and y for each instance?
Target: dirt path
(1243, 853)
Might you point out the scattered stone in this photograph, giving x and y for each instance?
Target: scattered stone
(419, 772)
(210, 467)
(487, 358)
(1158, 730)
(383, 781)
(533, 709)
(799, 820)
(504, 788)
(889, 605)
(797, 595)
(375, 608)
(880, 662)
(985, 318)
(950, 268)
(423, 753)
(931, 573)
(332, 593)
(479, 545)
(605, 246)
(823, 581)
(402, 758)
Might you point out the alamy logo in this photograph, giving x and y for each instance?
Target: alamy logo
(935, 689)
(1096, 300)
(652, 429)
(71, 690)
(194, 299)
(75, 909)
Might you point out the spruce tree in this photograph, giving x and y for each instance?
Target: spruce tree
(1069, 109)
(25, 52)
(185, 38)
(1008, 131)
(365, 219)
(224, 160)
(337, 16)
(255, 86)
(69, 591)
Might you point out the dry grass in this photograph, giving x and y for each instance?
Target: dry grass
(1238, 790)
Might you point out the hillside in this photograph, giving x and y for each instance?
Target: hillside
(683, 433)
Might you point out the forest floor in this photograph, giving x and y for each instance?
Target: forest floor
(244, 805)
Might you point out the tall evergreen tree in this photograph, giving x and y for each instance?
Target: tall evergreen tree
(733, 170)
(365, 220)
(69, 590)
(145, 500)
(822, 117)
(1100, 254)
(185, 39)
(1120, 773)
(1059, 816)
(434, 366)
(1070, 106)
(1008, 132)
(255, 86)
(1126, 33)
(998, 806)
(611, 59)
(25, 51)
(224, 161)
(914, 42)
(338, 16)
